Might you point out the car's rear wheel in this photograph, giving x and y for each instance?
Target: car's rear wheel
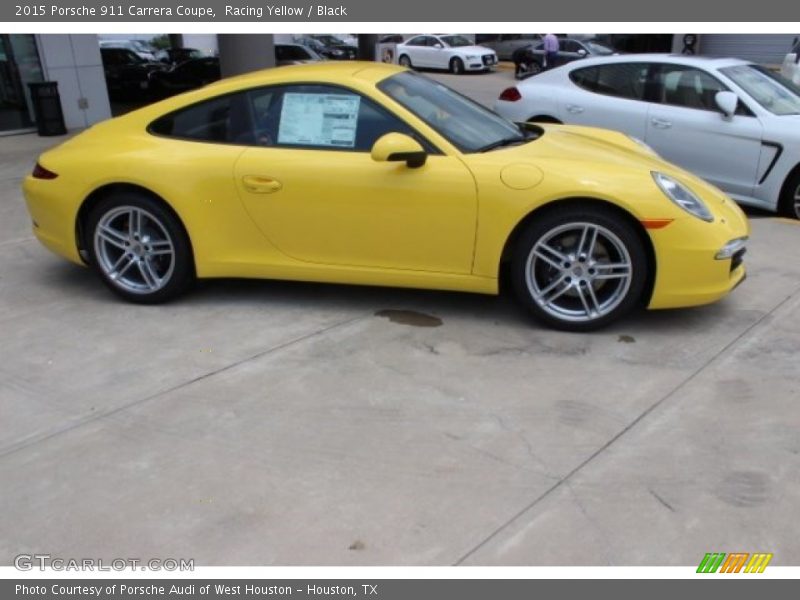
(789, 205)
(456, 66)
(405, 61)
(139, 248)
(579, 267)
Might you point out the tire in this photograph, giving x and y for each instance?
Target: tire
(789, 203)
(139, 248)
(405, 61)
(456, 66)
(534, 68)
(562, 273)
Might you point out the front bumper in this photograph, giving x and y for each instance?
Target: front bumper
(697, 262)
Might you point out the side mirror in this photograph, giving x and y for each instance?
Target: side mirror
(582, 52)
(727, 103)
(396, 147)
(438, 46)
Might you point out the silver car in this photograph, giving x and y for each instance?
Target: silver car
(732, 122)
(504, 44)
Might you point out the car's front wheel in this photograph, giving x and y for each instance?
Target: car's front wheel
(789, 205)
(405, 61)
(139, 248)
(580, 267)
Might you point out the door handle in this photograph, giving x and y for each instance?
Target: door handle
(574, 108)
(259, 184)
(661, 123)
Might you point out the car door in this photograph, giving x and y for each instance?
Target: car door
(439, 53)
(610, 95)
(311, 186)
(419, 52)
(686, 127)
(568, 51)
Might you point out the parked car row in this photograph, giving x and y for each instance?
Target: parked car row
(130, 77)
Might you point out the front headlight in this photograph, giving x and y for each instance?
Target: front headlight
(682, 196)
(472, 57)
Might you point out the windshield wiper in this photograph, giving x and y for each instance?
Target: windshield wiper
(502, 142)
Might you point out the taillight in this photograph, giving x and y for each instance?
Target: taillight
(39, 172)
(511, 95)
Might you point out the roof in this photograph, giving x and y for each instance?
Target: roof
(322, 71)
(683, 59)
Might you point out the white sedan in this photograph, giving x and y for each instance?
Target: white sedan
(734, 123)
(455, 53)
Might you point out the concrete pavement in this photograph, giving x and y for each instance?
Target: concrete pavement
(258, 423)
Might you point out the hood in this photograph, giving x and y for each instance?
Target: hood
(479, 50)
(585, 144)
(563, 148)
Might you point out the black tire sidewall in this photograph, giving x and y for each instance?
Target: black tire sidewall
(456, 66)
(598, 215)
(786, 203)
(404, 57)
(183, 271)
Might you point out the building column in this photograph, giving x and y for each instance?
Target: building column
(241, 53)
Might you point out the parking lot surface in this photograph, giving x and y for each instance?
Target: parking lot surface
(260, 423)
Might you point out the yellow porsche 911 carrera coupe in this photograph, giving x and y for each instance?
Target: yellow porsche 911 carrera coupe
(367, 173)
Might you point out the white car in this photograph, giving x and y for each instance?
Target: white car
(455, 53)
(791, 63)
(734, 123)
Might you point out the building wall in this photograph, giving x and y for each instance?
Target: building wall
(74, 62)
(766, 48)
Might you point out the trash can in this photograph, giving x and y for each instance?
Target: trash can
(47, 108)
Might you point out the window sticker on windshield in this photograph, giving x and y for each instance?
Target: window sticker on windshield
(319, 120)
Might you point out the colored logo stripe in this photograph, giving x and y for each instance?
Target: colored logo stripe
(758, 563)
(734, 562)
(712, 562)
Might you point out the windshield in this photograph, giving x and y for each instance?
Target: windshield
(598, 48)
(467, 125)
(455, 41)
(774, 93)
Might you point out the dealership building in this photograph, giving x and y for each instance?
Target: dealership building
(74, 62)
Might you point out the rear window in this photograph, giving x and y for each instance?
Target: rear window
(623, 80)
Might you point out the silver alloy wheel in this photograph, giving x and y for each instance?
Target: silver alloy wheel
(578, 272)
(134, 250)
(405, 61)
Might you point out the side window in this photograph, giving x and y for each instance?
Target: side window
(325, 117)
(417, 41)
(623, 80)
(223, 119)
(570, 46)
(688, 87)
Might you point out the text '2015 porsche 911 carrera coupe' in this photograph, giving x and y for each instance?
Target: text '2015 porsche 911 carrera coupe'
(366, 173)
